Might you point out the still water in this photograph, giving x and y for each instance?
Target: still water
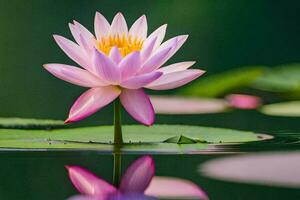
(41, 175)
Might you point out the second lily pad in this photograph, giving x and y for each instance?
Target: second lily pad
(27, 123)
(282, 79)
(223, 83)
(284, 109)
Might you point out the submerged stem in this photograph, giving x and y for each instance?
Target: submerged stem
(117, 169)
(118, 139)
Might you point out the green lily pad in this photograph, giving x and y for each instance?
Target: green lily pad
(220, 84)
(285, 109)
(137, 138)
(25, 123)
(284, 78)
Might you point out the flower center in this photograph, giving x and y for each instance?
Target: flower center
(125, 44)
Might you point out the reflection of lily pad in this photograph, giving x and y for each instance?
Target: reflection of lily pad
(274, 169)
(137, 138)
(285, 78)
(285, 109)
(24, 123)
(223, 83)
(187, 105)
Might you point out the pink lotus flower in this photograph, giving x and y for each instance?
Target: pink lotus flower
(138, 183)
(118, 62)
(243, 101)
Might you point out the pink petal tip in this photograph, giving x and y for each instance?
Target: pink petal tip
(68, 121)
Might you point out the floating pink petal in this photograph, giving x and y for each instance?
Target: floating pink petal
(242, 101)
(172, 105)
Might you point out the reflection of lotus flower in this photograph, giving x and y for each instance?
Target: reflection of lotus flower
(137, 181)
(120, 62)
(242, 101)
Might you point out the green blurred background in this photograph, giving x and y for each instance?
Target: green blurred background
(223, 35)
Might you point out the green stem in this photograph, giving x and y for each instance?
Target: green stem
(118, 139)
(117, 169)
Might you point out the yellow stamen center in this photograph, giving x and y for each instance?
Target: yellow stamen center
(125, 44)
